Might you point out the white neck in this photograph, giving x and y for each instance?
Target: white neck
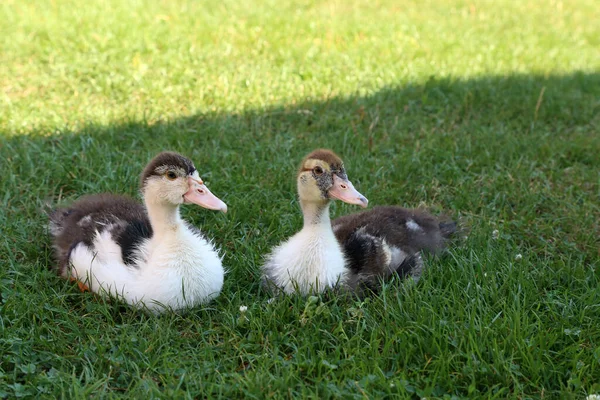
(315, 214)
(164, 218)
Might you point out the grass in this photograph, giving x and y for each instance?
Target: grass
(487, 111)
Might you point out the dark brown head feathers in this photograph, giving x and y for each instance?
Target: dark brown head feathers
(325, 155)
(328, 156)
(167, 159)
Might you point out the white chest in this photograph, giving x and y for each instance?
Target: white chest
(309, 261)
(181, 270)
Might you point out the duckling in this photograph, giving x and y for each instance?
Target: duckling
(312, 260)
(144, 254)
(388, 240)
(355, 251)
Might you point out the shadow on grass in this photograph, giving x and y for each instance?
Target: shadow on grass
(515, 153)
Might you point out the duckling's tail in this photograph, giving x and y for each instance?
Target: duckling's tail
(448, 229)
(57, 217)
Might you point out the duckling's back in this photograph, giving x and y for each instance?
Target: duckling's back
(388, 240)
(126, 219)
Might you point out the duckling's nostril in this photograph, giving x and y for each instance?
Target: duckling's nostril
(201, 191)
(344, 186)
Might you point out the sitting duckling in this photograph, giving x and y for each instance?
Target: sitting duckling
(357, 250)
(145, 254)
(312, 260)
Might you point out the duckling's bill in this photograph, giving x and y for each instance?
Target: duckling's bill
(344, 190)
(200, 195)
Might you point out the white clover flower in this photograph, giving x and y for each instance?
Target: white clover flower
(593, 397)
(243, 309)
(495, 234)
(519, 257)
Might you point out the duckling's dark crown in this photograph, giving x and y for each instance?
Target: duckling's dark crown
(170, 159)
(326, 155)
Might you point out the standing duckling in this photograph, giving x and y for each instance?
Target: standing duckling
(357, 250)
(144, 254)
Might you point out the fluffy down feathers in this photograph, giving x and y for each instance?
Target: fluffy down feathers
(389, 240)
(146, 255)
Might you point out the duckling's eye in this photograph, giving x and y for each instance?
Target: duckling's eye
(318, 170)
(171, 175)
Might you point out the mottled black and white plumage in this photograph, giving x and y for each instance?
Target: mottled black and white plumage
(144, 254)
(388, 240)
(122, 217)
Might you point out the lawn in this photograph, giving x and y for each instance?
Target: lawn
(486, 111)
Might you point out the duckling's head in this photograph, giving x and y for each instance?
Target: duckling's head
(172, 179)
(322, 177)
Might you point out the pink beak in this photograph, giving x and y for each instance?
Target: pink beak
(344, 190)
(200, 195)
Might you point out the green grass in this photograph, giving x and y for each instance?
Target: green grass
(489, 112)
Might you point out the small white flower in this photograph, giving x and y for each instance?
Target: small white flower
(593, 397)
(272, 299)
(518, 257)
(485, 274)
(243, 309)
(495, 234)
